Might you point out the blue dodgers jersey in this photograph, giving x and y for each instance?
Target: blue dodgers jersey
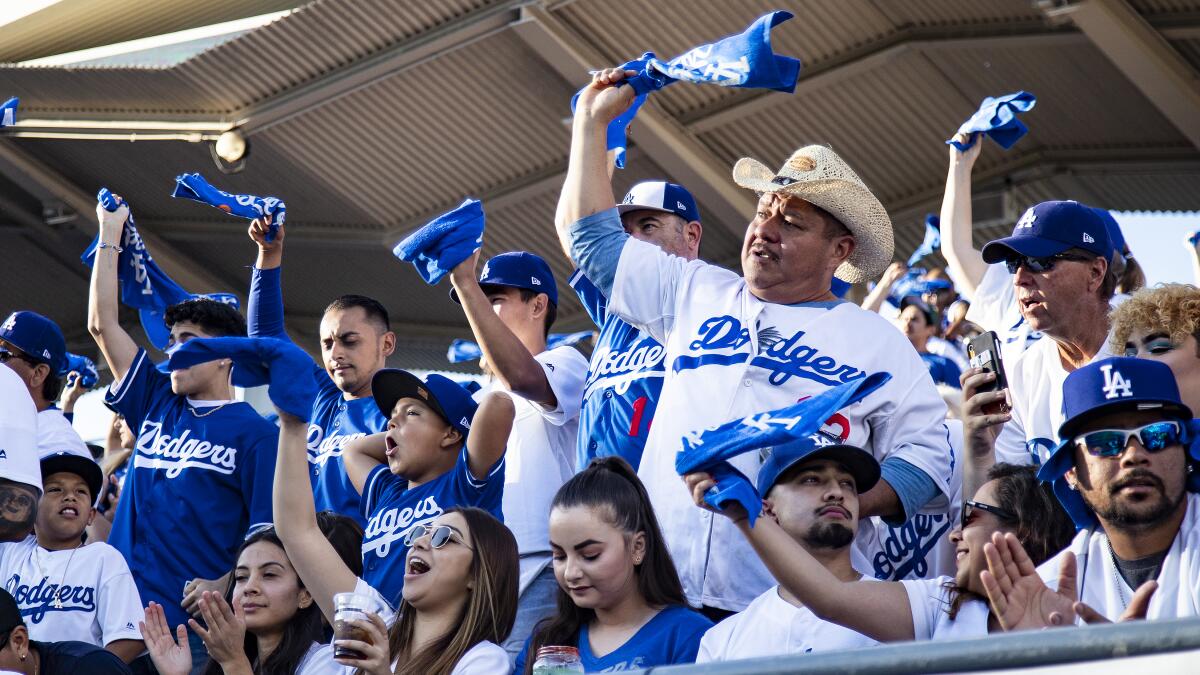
(197, 482)
(625, 377)
(335, 422)
(672, 636)
(393, 510)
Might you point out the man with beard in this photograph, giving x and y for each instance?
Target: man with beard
(1124, 473)
(811, 488)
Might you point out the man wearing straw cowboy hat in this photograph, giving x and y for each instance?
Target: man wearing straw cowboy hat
(738, 345)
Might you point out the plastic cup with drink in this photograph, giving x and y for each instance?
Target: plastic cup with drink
(347, 608)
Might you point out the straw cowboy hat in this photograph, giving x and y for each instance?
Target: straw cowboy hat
(818, 176)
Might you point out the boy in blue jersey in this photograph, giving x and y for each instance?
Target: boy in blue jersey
(440, 450)
(625, 374)
(356, 340)
(203, 463)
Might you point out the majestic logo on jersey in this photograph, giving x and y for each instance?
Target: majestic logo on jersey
(1115, 384)
(905, 549)
(37, 600)
(158, 450)
(321, 449)
(619, 368)
(389, 526)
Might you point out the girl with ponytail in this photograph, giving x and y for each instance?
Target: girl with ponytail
(620, 602)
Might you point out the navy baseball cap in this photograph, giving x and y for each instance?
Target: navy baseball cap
(84, 467)
(1051, 228)
(39, 337)
(820, 445)
(657, 195)
(518, 269)
(447, 397)
(931, 315)
(1115, 236)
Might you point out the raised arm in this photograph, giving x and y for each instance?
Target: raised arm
(508, 358)
(360, 457)
(965, 263)
(314, 558)
(104, 323)
(489, 433)
(264, 310)
(878, 609)
(875, 298)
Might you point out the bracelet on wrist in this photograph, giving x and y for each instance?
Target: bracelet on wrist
(104, 245)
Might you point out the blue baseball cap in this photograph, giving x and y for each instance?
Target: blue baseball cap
(39, 337)
(518, 269)
(930, 314)
(658, 195)
(447, 397)
(820, 445)
(1115, 236)
(1050, 228)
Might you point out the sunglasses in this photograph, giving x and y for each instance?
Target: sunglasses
(438, 536)
(1154, 437)
(1039, 265)
(969, 507)
(6, 356)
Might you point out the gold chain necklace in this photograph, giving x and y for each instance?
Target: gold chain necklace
(62, 579)
(212, 409)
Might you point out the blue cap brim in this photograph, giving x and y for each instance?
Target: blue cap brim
(1033, 247)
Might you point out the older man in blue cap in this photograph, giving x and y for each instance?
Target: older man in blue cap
(1125, 470)
(33, 347)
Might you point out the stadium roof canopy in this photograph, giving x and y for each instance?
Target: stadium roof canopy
(371, 116)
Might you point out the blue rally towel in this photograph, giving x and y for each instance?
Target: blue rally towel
(143, 285)
(745, 60)
(932, 241)
(8, 112)
(444, 242)
(85, 367)
(997, 117)
(193, 186)
(708, 449)
(909, 284)
(282, 366)
(465, 350)
(155, 327)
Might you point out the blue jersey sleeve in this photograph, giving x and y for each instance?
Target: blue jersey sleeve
(140, 391)
(258, 479)
(593, 300)
(264, 310)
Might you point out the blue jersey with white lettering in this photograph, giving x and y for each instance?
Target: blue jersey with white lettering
(393, 509)
(625, 377)
(672, 636)
(335, 420)
(199, 480)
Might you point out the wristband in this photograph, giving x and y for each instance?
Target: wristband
(114, 247)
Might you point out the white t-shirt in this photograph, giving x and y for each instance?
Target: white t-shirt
(1101, 586)
(730, 355)
(772, 626)
(929, 601)
(920, 548)
(541, 457)
(55, 434)
(97, 601)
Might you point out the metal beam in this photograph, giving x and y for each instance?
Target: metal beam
(1144, 56)
(671, 146)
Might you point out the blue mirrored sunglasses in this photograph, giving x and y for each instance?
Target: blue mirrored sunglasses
(1154, 437)
(1039, 265)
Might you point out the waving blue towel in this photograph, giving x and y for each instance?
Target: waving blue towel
(465, 350)
(733, 486)
(155, 327)
(997, 117)
(932, 241)
(8, 112)
(444, 242)
(709, 449)
(909, 284)
(88, 377)
(193, 186)
(282, 366)
(745, 60)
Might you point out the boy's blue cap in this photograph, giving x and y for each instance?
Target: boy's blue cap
(861, 464)
(657, 195)
(38, 337)
(447, 398)
(1050, 228)
(518, 269)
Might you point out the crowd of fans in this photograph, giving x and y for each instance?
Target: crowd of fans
(1026, 462)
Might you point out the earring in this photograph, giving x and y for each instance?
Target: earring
(1073, 487)
(1191, 468)
(23, 656)
(637, 560)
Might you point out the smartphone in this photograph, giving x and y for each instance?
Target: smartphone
(984, 352)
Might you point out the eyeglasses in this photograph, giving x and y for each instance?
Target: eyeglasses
(1155, 437)
(6, 356)
(438, 536)
(969, 507)
(1039, 265)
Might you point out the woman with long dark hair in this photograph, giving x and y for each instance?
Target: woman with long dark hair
(1012, 500)
(620, 602)
(267, 622)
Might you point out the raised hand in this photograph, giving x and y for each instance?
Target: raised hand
(979, 427)
(966, 158)
(225, 634)
(170, 653)
(1020, 599)
(602, 101)
(700, 483)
